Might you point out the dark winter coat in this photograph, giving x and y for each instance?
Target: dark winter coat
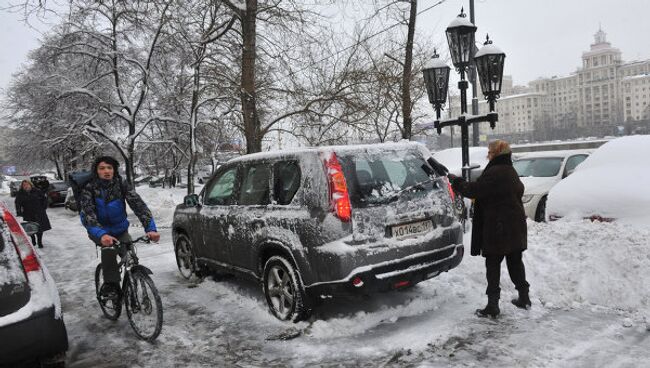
(31, 205)
(499, 221)
(103, 206)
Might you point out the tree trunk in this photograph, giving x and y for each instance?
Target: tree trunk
(406, 76)
(59, 174)
(128, 165)
(248, 94)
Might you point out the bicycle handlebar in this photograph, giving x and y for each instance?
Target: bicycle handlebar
(117, 243)
(142, 239)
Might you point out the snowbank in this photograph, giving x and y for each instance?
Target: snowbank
(575, 262)
(162, 203)
(4, 187)
(614, 182)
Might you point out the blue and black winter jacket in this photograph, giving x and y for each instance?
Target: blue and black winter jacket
(103, 208)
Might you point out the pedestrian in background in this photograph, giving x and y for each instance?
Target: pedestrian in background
(31, 205)
(498, 224)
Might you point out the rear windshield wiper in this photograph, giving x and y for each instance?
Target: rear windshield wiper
(410, 187)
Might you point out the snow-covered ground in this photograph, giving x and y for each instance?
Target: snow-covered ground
(589, 287)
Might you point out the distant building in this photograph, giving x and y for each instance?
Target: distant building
(604, 94)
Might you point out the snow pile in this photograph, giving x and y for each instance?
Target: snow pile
(162, 203)
(614, 182)
(4, 187)
(452, 158)
(575, 262)
(566, 265)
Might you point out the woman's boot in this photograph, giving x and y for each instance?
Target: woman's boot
(523, 301)
(491, 309)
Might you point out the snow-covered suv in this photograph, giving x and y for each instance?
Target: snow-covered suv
(320, 222)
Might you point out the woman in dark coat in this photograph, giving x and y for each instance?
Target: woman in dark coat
(31, 204)
(498, 225)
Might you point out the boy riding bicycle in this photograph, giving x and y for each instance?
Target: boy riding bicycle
(102, 206)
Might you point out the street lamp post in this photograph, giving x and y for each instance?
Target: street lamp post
(489, 62)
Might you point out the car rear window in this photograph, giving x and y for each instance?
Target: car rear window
(538, 167)
(378, 178)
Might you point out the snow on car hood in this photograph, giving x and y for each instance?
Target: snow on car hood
(538, 185)
(614, 182)
(611, 191)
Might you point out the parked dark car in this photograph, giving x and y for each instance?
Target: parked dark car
(57, 192)
(322, 222)
(156, 182)
(32, 330)
(141, 180)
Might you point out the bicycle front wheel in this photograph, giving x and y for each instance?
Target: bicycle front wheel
(111, 308)
(143, 305)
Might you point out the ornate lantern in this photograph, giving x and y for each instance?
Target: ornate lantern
(460, 36)
(489, 64)
(436, 80)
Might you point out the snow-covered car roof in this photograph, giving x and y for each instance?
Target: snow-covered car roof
(612, 183)
(402, 145)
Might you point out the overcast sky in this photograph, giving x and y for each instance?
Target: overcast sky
(540, 37)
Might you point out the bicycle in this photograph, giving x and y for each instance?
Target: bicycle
(139, 294)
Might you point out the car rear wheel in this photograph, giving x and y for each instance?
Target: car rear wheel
(284, 292)
(540, 214)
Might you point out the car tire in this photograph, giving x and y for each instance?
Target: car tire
(540, 213)
(186, 258)
(284, 291)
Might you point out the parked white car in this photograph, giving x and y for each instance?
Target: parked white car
(613, 184)
(540, 171)
(32, 331)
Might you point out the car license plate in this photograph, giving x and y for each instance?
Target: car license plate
(413, 228)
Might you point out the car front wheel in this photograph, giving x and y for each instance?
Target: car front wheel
(284, 292)
(185, 258)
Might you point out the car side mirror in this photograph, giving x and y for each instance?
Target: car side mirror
(191, 200)
(30, 227)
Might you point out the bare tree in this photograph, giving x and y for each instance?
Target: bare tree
(120, 38)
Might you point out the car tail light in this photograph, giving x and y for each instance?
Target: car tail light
(357, 282)
(23, 246)
(339, 197)
(401, 284)
(451, 190)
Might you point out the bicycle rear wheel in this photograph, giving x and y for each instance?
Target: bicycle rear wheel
(110, 309)
(143, 305)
